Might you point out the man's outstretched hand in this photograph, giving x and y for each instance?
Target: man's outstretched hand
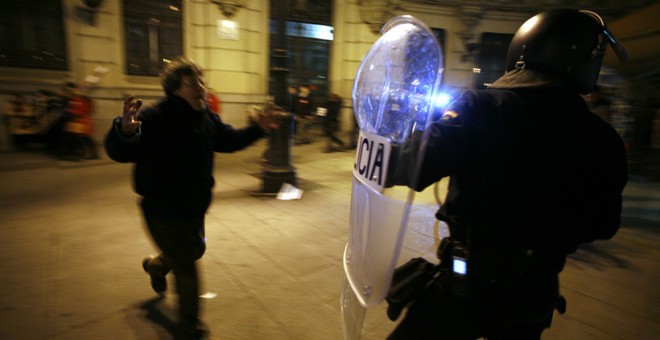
(129, 121)
(269, 119)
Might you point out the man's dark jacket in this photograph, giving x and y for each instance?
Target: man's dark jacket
(173, 155)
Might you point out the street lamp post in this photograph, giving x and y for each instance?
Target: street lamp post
(277, 168)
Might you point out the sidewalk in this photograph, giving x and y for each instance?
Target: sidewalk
(31, 160)
(72, 240)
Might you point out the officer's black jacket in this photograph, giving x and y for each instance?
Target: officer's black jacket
(531, 167)
(173, 155)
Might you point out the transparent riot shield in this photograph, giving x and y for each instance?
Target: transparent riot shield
(393, 98)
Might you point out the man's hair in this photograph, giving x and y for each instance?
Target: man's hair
(175, 69)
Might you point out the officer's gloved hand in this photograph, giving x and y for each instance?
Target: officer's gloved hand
(393, 172)
(402, 167)
(408, 281)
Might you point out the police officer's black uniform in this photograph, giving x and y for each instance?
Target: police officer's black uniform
(533, 174)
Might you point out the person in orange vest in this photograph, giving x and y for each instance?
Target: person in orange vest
(214, 102)
(79, 127)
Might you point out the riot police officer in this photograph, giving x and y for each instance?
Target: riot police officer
(533, 175)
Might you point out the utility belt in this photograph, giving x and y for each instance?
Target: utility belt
(463, 267)
(468, 275)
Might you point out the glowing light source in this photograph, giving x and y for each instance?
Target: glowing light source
(442, 99)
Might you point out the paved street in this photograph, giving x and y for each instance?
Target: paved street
(72, 240)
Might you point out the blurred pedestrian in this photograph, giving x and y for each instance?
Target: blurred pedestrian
(214, 102)
(304, 111)
(18, 117)
(331, 123)
(79, 127)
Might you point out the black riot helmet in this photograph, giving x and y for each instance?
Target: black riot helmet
(567, 43)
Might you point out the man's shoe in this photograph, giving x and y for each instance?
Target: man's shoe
(194, 329)
(158, 282)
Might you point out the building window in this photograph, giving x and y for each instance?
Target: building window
(491, 61)
(153, 34)
(32, 35)
(309, 35)
(308, 51)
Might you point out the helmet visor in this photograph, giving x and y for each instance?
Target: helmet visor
(619, 49)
